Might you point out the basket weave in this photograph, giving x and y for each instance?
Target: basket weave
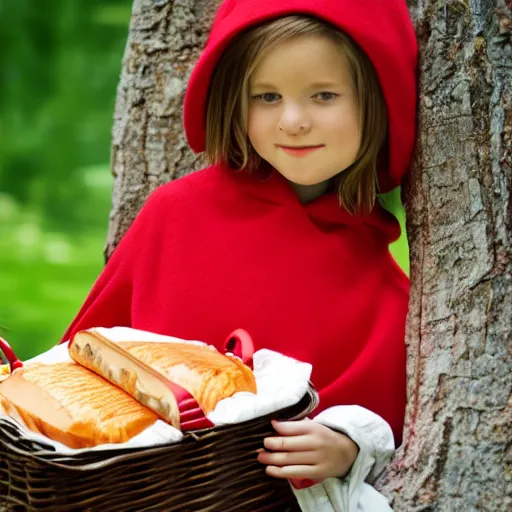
(211, 470)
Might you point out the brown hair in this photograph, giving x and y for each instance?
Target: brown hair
(226, 119)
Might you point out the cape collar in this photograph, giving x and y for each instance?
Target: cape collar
(269, 186)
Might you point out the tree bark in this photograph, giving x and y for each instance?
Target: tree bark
(457, 454)
(148, 143)
(457, 451)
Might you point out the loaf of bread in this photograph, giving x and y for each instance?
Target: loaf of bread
(4, 371)
(146, 369)
(72, 405)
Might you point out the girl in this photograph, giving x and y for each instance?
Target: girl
(305, 110)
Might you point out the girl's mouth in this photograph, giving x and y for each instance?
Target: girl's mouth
(299, 150)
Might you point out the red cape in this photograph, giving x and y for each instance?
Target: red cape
(216, 251)
(220, 250)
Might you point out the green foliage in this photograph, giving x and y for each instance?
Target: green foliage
(59, 71)
(45, 275)
(45, 278)
(400, 249)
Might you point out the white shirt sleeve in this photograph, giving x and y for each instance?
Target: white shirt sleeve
(374, 437)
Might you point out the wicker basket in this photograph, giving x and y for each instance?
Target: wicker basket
(211, 470)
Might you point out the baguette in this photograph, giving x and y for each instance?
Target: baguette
(72, 405)
(145, 370)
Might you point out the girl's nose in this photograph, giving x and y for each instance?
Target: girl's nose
(294, 121)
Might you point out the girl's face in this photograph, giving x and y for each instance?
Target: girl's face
(303, 113)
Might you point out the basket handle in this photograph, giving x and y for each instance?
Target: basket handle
(240, 344)
(14, 362)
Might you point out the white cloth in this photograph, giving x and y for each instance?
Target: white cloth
(281, 382)
(374, 437)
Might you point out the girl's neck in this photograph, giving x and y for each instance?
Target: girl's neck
(308, 193)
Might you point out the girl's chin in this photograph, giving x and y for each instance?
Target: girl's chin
(302, 181)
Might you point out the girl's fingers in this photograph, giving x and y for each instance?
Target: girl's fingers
(288, 458)
(292, 472)
(291, 444)
(293, 428)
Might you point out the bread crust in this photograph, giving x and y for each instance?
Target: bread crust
(111, 361)
(73, 406)
(205, 373)
(143, 368)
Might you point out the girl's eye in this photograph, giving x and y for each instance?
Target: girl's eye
(268, 97)
(326, 96)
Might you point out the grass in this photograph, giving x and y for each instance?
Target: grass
(39, 297)
(44, 276)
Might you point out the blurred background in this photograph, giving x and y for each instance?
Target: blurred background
(59, 69)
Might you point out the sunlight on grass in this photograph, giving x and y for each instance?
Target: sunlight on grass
(45, 276)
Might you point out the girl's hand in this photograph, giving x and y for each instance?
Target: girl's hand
(306, 449)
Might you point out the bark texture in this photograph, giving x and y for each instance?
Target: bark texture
(148, 146)
(457, 453)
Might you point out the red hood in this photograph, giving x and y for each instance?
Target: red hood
(383, 30)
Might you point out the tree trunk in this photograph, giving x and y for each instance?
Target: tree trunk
(148, 146)
(457, 452)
